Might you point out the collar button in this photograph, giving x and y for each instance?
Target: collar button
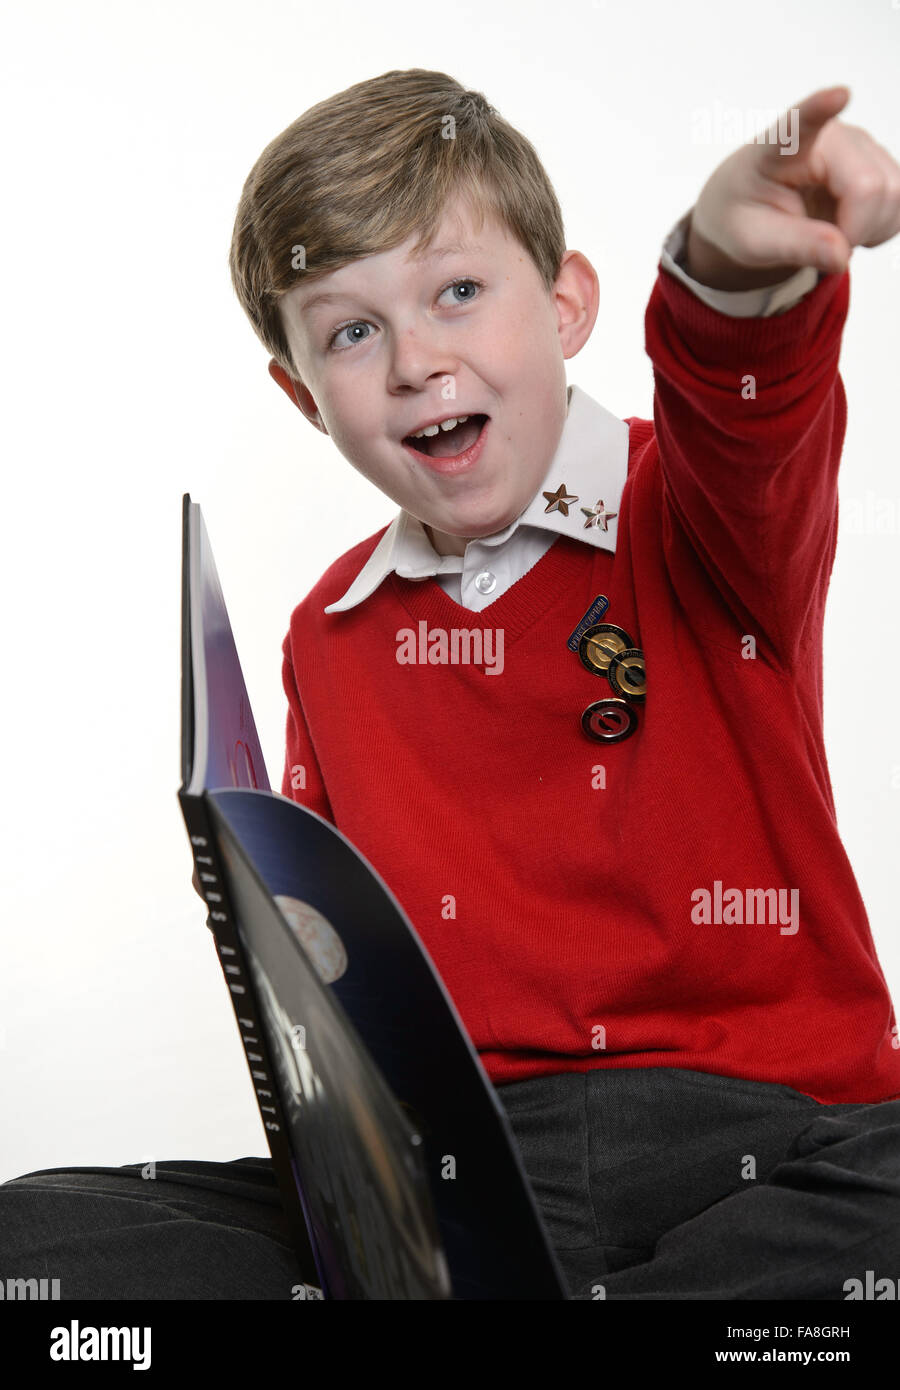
(486, 582)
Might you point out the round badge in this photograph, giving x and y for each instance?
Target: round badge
(627, 674)
(609, 721)
(600, 644)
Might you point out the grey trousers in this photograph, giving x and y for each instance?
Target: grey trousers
(653, 1183)
(660, 1183)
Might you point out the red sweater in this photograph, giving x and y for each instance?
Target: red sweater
(563, 915)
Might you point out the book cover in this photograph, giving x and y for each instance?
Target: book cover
(394, 1157)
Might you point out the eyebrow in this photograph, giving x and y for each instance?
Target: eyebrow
(438, 253)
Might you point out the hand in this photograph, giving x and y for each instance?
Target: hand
(764, 214)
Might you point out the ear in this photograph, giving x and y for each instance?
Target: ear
(297, 393)
(577, 297)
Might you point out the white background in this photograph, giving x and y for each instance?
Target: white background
(130, 375)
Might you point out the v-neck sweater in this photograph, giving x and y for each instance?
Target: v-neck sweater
(678, 898)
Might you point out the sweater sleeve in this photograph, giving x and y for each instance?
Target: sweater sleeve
(302, 780)
(750, 416)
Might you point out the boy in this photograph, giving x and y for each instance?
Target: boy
(569, 797)
(557, 829)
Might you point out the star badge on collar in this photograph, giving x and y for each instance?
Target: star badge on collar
(559, 500)
(597, 516)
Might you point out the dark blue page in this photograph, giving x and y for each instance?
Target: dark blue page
(372, 962)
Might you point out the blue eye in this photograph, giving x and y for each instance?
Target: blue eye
(466, 281)
(357, 323)
(361, 323)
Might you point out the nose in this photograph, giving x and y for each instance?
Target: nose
(420, 352)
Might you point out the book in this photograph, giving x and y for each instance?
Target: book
(395, 1161)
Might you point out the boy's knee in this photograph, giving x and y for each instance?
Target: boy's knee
(870, 1128)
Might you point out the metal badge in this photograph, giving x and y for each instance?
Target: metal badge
(627, 674)
(598, 516)
(559, 501)
(609, 721)
(593, 615)
(599, 644)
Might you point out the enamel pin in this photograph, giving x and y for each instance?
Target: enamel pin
(607, 650)
(592, 616)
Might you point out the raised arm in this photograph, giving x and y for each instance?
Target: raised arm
(750, 412)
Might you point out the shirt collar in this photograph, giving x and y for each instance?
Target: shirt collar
(590, 465)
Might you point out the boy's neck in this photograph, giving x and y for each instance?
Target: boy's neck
(444, 544)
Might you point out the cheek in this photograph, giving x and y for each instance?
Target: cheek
(350, 411)
(514, 331)
(525, 342)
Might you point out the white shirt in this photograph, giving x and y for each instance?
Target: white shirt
(591, 462)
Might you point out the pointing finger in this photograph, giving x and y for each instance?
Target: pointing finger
(802, 123)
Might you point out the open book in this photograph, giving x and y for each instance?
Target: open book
(395, 1160)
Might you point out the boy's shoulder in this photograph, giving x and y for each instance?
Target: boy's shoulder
(336, 580)
(640, 432)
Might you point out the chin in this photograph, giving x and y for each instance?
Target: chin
(481, 526)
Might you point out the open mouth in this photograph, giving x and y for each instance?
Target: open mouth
(448, 444)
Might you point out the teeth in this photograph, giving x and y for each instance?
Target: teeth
(444, 425)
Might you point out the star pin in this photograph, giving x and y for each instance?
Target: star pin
(559, 500)
(597, 516)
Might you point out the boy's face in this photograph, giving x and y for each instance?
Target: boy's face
(402, 343)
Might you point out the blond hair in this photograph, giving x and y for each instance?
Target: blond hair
(359, 173)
